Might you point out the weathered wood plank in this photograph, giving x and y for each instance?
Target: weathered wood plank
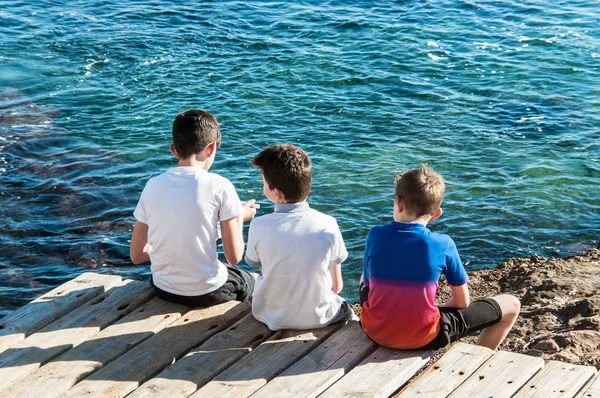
(592, 390)
(448, 372)
(557, 379)
(323, 366)
(205, 362)
(501, 376)
(145, 360)
(264, 363)
(380, 374)
(62, 373)
(19, 324)
(70, 330)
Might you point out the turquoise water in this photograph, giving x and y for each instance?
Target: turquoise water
(503, 99)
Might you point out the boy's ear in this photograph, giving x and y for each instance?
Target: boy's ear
(211, 149)
(279, 195)
(437, 214)
(174, 150)
(399, 203)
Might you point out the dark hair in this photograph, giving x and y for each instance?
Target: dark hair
(193, 130)
(287, 168)
(421, 190)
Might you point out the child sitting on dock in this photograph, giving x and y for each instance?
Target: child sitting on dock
(298, 249)
(403, 261)
(177, 216)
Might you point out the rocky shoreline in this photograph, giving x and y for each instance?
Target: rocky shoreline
(560, 305)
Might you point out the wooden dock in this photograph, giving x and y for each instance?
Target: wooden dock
(99, 335)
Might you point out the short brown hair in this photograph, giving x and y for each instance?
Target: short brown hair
(287, 168)
(193, 130)
(421, 190)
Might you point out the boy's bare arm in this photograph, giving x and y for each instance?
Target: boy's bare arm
(139, 248)
(460, 297)
(232, 233)
(233, 240)
(337, 283)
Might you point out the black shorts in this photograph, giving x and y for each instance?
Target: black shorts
(456, 323)
(239, 286)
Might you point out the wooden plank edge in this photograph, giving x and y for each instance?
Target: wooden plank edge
(60, 374)
(348, 359)
(104, 383)
(22, 365)
(412, 386)
(530, 388)
(22, 322)
(410, 363)
(591, 389)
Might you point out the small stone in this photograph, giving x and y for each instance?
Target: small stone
(587, 324)
(547, 345)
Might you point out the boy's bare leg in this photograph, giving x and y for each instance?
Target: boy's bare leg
(492, 336)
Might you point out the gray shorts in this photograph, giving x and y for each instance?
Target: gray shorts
(344, 314)
(239, 286)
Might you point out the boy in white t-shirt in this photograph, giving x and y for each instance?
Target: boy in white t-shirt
(298, 249)
(177, 216)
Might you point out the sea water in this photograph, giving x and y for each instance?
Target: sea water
(502, 98)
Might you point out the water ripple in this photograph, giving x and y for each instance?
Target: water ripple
(501, 98)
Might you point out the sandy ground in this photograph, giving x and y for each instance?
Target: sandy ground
(560, 305)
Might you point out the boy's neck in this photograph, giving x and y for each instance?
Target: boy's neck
(201, 160)
(193, 161)
(401, 214)
(285, 202)
(407, 218)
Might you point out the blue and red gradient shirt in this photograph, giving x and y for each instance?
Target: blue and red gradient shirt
(403, 263)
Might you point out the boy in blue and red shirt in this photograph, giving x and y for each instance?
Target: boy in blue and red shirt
(403, 262)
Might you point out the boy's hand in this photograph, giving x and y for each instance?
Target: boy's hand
(460, 297)
(250, 209)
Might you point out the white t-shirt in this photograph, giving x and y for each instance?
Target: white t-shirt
(181, 208)
(295, 246)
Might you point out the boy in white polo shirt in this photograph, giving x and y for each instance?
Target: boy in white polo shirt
(298, 249)
(177, 216)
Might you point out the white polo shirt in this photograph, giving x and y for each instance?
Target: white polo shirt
(295, 246)
(181, 208)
